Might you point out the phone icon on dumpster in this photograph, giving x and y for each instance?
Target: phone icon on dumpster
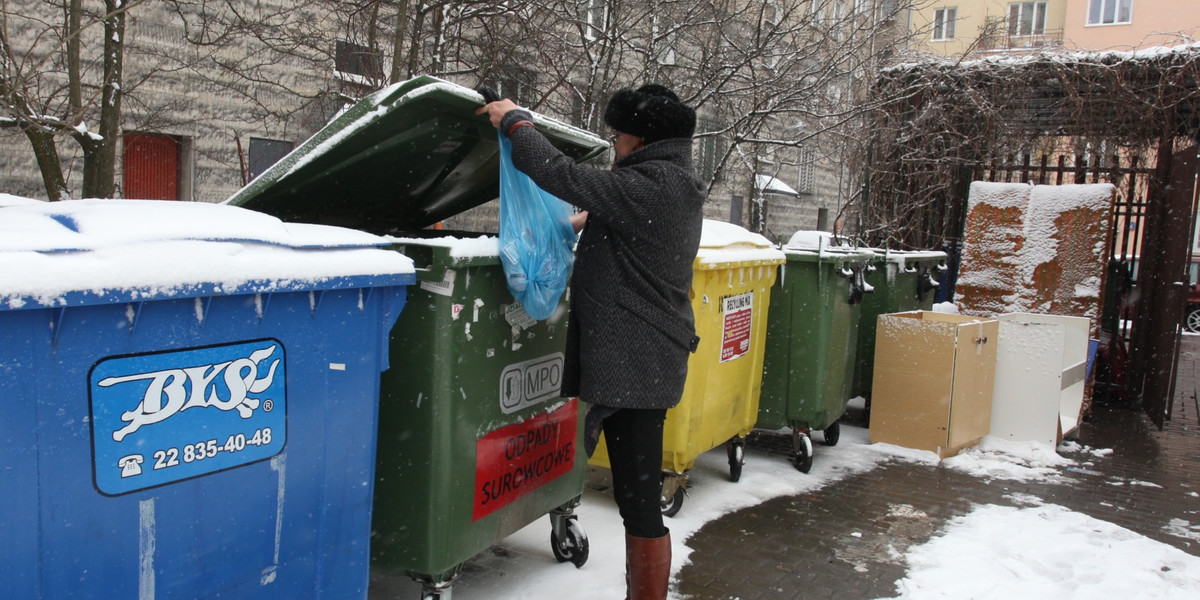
(131, 465)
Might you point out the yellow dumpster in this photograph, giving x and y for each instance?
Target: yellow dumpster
(731, 286)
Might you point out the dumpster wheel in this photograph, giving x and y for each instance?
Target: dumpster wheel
(671, 497)
(833, 433)
(431, 590)
(573, 544)
(804, 451)
(737, 458)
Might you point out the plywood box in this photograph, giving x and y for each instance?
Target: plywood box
(933, 380)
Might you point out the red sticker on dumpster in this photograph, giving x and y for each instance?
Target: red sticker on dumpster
(517, 459)
(739, 313)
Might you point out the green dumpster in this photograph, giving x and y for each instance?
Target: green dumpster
(811, 336)
(474, 440)
(902, 281)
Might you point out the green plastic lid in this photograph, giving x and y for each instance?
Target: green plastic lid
(401, 159)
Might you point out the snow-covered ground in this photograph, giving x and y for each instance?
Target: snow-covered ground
(1034, 551)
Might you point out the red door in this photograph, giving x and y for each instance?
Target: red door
(151, 167)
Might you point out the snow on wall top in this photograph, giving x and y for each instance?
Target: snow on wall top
(1107, 56)
(767, 183)
(110, 249)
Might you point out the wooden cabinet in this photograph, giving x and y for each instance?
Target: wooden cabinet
(933, 380)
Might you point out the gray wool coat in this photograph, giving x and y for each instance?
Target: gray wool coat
(631, 327)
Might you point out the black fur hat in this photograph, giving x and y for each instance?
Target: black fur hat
(651, 112)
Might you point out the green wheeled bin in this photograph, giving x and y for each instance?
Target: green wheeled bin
(811, 341)
(901, 281)
(475, 441)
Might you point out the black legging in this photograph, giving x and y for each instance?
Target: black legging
(635, 444)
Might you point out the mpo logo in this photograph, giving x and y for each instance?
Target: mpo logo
(530, 382)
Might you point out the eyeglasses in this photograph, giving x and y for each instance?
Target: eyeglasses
(615, 135)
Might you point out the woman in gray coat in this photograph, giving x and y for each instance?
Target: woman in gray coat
(631, 327)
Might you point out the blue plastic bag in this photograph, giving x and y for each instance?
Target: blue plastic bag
(536, 239)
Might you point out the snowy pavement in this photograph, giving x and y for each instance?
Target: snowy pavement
(1035, 550)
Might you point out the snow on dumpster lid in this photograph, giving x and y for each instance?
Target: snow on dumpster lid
(722, 242)
(902, 258)
(813, 239)
(466, 248)
(80, 252)
(10, 200)
(808, 245)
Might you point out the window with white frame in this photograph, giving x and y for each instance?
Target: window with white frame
(1109, 12)
(839, 9)
(943, 23)
(1026, 18)
(595, 18)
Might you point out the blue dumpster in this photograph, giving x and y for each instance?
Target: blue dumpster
(190, 401)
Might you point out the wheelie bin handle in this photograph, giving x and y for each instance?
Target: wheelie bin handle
(489, 95)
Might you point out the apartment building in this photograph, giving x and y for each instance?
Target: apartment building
(965, 27)
(980, 27)
(1130, 24)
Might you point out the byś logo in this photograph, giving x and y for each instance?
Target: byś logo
(175, 390)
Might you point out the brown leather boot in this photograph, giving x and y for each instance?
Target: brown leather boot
(647, 567)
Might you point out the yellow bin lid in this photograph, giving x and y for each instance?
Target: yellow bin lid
(724, 245)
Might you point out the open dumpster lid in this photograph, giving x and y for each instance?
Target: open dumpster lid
(400, 159)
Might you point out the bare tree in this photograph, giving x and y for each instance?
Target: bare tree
(769, 77)
(772, 79)
(67, 75)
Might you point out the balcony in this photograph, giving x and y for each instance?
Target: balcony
(1003, 41)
